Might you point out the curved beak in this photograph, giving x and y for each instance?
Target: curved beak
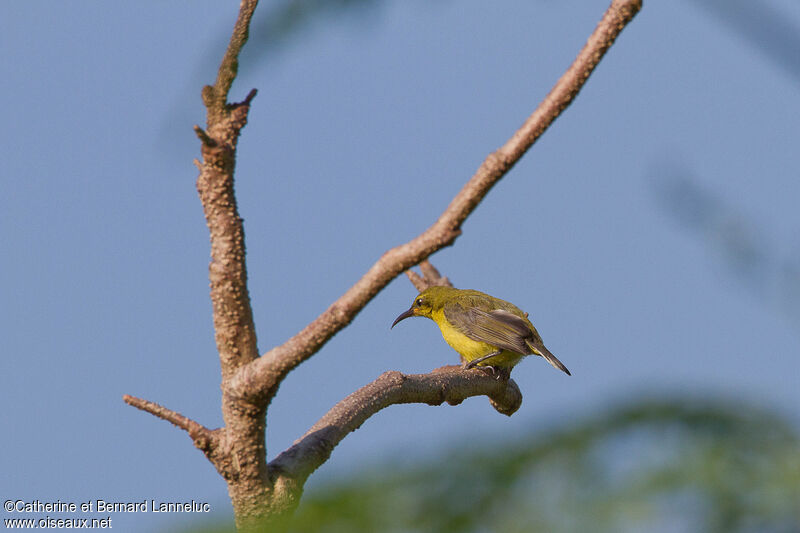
(403, 316)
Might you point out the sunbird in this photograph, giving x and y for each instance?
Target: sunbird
(485, 330)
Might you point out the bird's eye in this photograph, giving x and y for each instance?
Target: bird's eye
(419, 302)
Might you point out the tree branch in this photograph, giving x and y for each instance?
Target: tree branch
(259, 380)
(261, 491)
(202, 436)
(242, 459)
(430, 277)
(450, 384)
(240, 451)
(216, 97)
(233, 318)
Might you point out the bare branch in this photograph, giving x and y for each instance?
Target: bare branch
(233, 318)
(195, 430)
(216, 97)
(203, 136)
(260, 379)
(241, 455)
(261, 491)
(209, 441)
(451, 384)
(430, 277)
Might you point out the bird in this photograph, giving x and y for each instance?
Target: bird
(486, 331)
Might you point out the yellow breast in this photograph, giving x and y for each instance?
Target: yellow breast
(472, 349)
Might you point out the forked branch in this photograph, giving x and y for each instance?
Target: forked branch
(430, 277)
(259, 380)
(260, 491)
(216, 97)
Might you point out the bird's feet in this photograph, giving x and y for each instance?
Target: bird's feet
(470, 364)
(500, 373)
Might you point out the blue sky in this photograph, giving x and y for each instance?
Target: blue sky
(365, 126)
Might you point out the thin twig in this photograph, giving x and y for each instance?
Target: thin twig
(430, 277)
(216, 97)
(204, 138)
(194, 429)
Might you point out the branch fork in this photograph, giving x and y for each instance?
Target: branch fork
(262, 491)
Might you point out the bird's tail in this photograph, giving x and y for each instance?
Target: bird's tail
(539, 349)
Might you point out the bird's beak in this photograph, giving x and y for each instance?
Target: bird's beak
(403, 316)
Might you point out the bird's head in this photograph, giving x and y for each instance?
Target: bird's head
(426, 303)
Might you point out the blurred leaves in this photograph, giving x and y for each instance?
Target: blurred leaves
(764, 26)
(277, 23)
(726, 230)
(652, 466)
(771, 273)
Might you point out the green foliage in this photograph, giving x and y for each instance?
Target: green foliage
(654, 466)
(647, 466)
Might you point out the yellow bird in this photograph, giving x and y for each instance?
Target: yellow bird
(485, 330)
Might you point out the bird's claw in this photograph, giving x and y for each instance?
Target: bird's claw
(496, 371)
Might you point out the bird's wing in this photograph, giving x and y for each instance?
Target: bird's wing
(497, 327)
